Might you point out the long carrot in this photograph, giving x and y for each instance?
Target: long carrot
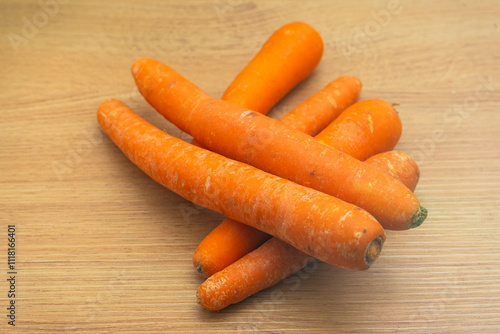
(231, 282)
(274, 260)
(253, 138)
(231, 240)
(288, 57)
(375, 123)
(321, 225)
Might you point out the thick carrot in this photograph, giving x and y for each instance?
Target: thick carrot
(288, 57)
(265, 143)
(321, 225)
(275, 260)
(231, 282)
(314, 114)
(231, 240)
(375, 124)
(398, 165)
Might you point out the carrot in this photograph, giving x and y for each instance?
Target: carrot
(275, 260)
(231, 240)
(288, 57)
(265, 143)
(323, 107)
(231, 282)
(374, 123)
(251, 274)
(320, 225)
(397, 164)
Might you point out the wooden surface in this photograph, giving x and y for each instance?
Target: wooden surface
(101, 248)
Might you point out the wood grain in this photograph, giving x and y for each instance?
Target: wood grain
(101, 248)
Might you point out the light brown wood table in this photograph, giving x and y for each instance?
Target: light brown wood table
(101, 248)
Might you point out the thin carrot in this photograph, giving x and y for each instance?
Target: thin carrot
(253, 138)
(321, 225)
(252, 273)
(374, 123)
(397, 164)
(322, 108)
(231, 240)
(287, 58)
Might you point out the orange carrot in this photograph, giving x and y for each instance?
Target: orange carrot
(374, 123)
(225, 244)
(265, 143)
(397, 164)
(320, 225)
(275, 260)
(231, 240)
(231, 282)
(287, 58)
(252, 273)
(323, 107)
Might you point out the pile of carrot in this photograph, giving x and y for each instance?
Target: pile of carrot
(323, 183)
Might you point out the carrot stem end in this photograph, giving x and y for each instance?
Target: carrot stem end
(373, 250)
(418, 217)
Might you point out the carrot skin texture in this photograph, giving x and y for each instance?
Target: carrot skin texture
(359, 119)
(217, 250)
(255, 139)
(278, 258)
(320, 225)
(288, 57)
(319, 110)
(251, 274)
(231, 240)
(399, 165)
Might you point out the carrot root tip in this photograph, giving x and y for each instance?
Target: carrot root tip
(199, 269)
(373, 250)
(418, 217)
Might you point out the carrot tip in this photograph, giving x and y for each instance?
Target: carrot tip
(418, 217)
(373, 250)
(199, 269)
